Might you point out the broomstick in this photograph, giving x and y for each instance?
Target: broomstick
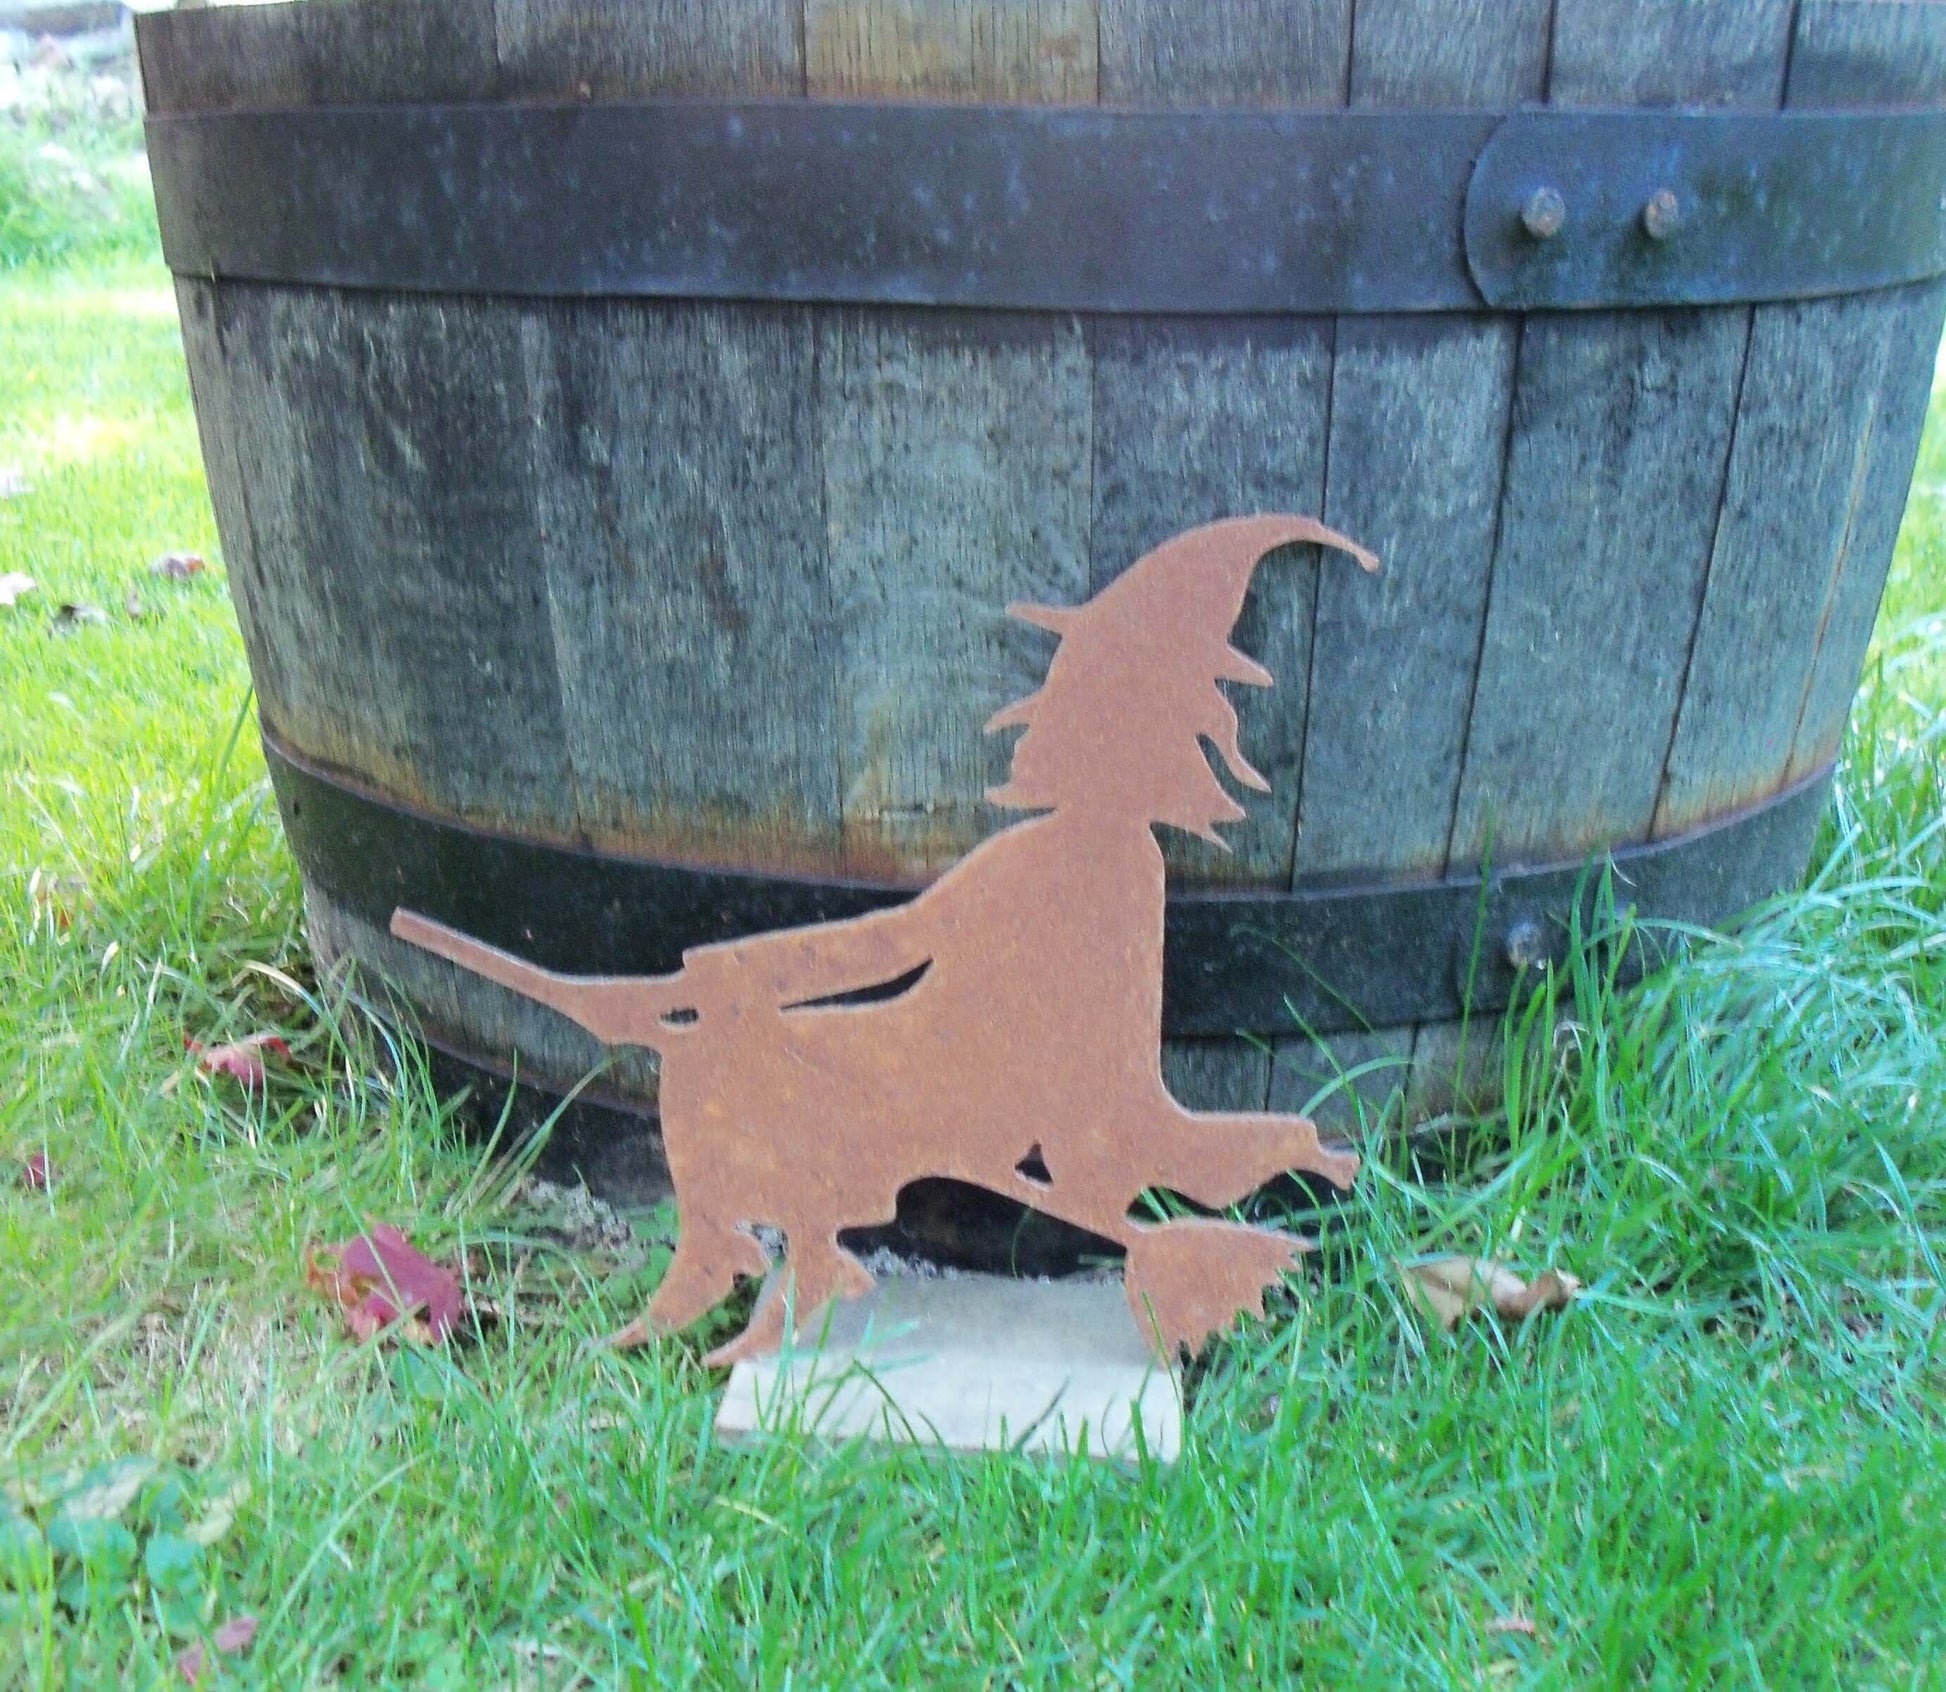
(619, 1010)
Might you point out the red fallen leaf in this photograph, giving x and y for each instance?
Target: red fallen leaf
(378, 1279)
(236, 1633)
(35, 1174)
(233, 1636)
(241, 1060)
(177, 566)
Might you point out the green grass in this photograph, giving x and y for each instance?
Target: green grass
(73, 180)
(1725, 1465)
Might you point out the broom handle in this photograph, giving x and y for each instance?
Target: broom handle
(616, 1009)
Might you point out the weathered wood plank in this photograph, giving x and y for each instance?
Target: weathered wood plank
(1456, 1067)
(665, 460)
(1418, 427)
(1669, 52)
(680, 489)
(611, 49)
(1453, 53)
(1216, 1074)
(1241, 53)
(1621, 434)
(1800, 457)
(956, 459)
(678, 477)
(1621, 427)
(1419, 410)
(1911, 330)
(956, 453)
(1304, 1069)
(1797, 559)
(219, 431)
(1869, 53)
(383, 448)
(324, 52)
(1199, 420)
(1888, 52)
(1024, 50)
(323, 667)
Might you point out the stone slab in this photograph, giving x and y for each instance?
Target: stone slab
(970, 1363)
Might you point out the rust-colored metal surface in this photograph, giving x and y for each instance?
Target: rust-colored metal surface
(1015, 1040)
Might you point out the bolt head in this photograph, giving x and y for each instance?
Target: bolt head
(1525, 943)
(1662, 216)
(1544, 213)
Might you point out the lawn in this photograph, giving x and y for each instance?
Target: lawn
(1725, 1464)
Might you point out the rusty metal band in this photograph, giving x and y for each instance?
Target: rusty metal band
(1270, 963)
(1059, 208)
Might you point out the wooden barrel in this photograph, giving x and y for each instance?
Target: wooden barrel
(596, 611)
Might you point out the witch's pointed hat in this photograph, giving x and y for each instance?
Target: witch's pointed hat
(1190, 589)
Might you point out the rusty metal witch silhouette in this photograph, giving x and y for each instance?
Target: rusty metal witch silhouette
(1032, 1022)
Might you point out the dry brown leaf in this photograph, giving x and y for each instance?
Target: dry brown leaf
(1452, 1288)
(62, 897)
(35, 1174)
(15, 585)
(177, 566)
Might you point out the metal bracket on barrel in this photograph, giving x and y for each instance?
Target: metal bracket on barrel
(1573, 210)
